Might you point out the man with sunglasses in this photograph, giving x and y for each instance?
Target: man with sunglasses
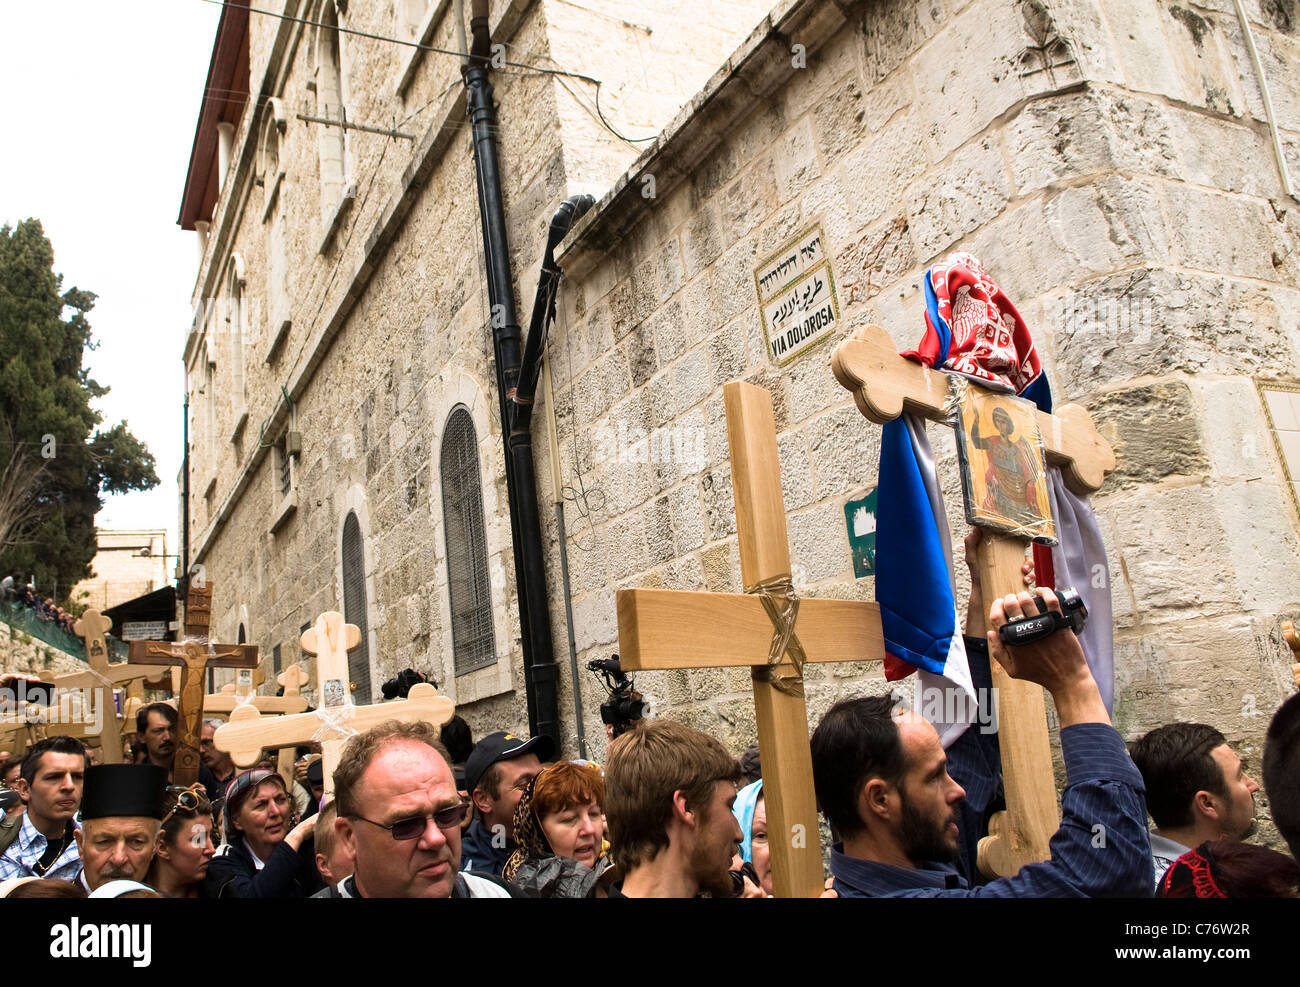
(399, 815)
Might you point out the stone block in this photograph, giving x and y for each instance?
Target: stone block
(878, 258)
(721, 565)
(1173, 550)
(733, 282)
(839, 120)
(1153, 321)
(893, 32)
(1154, 431)
(1237, 439)
(889, 160)
(796, 470)
(966, 192)
(795, 162)
(719, 507)
(1198, 219)
(691, 379)
(819, 547)
(844, 449)
(687, 513)
(701, 239)
(729, 352)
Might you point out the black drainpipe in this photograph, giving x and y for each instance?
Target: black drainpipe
(540, 672)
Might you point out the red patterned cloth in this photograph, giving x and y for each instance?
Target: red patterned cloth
(972, 328)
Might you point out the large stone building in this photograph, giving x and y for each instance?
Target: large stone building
(1113, 166)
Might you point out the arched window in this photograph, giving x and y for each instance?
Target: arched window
(271, 175)
(354, 606)
(467, 557)
(330, 105)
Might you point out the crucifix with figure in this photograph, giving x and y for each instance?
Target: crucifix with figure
(193, 657)
(337, 718)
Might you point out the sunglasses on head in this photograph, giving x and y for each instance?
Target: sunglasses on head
(186, 798)
(414, 827)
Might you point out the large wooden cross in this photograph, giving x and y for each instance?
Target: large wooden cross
(660, 629)
(884, 385)
(337, 719)
(194, 659)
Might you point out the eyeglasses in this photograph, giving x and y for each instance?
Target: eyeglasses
(414, 827)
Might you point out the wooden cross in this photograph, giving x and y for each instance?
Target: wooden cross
(884, 385)
(233, 695)
(337, 719)
(681, 629)
(92, 627)
(194, 659)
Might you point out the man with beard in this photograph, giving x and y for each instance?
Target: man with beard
(668, 797)
(399, 817)
(881, 778)
(121, 811)
(1197, 790)
(156, 725)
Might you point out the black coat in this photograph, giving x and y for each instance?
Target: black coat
(233, 874)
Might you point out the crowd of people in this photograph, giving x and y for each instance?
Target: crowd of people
(417, 812)
(42, 608)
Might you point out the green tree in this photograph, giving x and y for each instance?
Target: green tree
(54, 462)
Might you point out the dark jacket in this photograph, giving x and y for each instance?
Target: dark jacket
(477, 852)
(288, 874)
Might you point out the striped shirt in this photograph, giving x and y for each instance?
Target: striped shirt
(22, 855)
(1100, 850)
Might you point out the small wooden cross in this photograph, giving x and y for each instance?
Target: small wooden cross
(337, 719)
(682, 629)
(193, 659)
(233, 695)
(884, 385)
(92, 627)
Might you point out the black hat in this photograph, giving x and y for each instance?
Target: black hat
(123, 790)
(316, 771)
(501, 746)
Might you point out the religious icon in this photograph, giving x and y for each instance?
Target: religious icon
(334, 692)
(1003, 470)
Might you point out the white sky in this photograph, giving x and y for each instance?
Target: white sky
(96, 123)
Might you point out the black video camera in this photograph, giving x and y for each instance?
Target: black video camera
(1023, 630)
(625, 706)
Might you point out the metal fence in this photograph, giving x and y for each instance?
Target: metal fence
(23, 620)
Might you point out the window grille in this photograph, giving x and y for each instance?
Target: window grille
(468, 585)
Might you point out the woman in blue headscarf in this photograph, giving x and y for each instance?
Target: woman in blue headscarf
(751, 813)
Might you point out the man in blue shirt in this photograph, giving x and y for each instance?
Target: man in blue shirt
(882, 780)
(52, 774)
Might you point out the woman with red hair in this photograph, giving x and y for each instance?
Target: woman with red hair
(560, 832)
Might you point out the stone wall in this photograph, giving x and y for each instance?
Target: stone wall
(1113, 170)
(389, 321)
(26, 655)
(1109, 163)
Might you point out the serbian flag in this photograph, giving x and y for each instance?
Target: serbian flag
(918, 611)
